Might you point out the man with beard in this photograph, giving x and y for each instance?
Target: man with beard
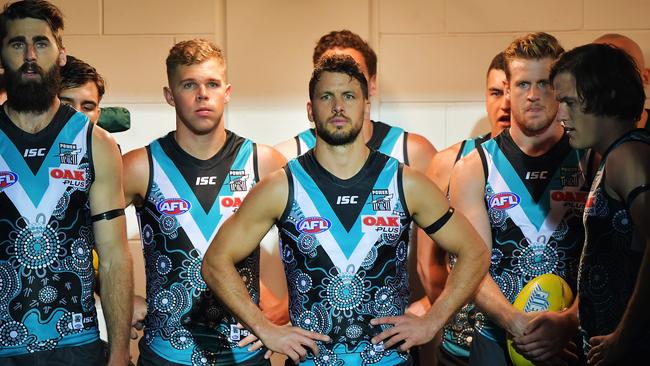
(524, 192)
(60, 185)
(344, 212)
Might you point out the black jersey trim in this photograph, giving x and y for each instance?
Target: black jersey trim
(635, 193)
(481, 154)
(297, 139)
(150, 180)
(400, 188)
(405, 148)
(287, 208)
(256, 170)
(89, 151)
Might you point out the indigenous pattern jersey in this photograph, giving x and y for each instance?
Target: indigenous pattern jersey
(46, 237)
(458, 332)
(187, 201)
(389, 140)
(611, 258)
(535, 207)
(344, 248)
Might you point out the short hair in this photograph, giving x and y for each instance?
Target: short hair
(533, 46)
(192, 52)
(607, 80)
(76, 73)
(346, 39)
(498, 63)
(343, 64)
(35, 9)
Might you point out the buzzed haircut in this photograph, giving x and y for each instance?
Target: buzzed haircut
(533, 46)
(607, 80)
(343, 64)
(192, 52)
(35, 9)
(76, 73)
(346, 39)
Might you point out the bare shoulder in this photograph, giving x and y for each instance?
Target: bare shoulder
(136, 175)
(420, 151)
(288, 148)
(439, 169)
(269, 197)
(269, 160)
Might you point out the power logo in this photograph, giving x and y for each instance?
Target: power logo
(313, 225)
(504, 201)
(384, 224)
(173, 206)
(7, 179)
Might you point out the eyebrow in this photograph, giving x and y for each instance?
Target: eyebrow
(24, 39)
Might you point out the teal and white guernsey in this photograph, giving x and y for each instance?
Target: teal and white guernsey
(346, 265)
(186, 323)
(387, 139)
(535, 207)
(46, 237)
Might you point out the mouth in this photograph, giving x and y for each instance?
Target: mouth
(505, 119)
(567, 129)
(203, 111)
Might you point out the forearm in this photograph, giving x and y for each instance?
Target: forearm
(117, 303)
(462, 283)
(222, 277)
(491, 301)
(431, 266)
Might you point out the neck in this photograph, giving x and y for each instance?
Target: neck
(366, 130)
(643, 121)
(613, 130)
(343, 161)
(537, 144)
(203, 146)
(32, 122)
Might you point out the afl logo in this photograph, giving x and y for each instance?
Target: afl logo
(173, 206)
(504, 201)
(313, 225)
(7, 179)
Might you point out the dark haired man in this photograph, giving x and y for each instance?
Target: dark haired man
(82, 87)
(601, 98)
(61, 194)
(345, 265)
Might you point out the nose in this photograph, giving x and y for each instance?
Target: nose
(202, 93)
(533, 93)
(30, 53)
(505, 104)
(338, 106)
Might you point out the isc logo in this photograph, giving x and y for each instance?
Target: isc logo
(346, 200)
(30, 153)
(7, 179)
(206, 181)
(67, 174)
(173, 206)
(542, 174)
(504, 201)
(313, 225)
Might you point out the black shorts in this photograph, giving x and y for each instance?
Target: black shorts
(150, 358)
(486, 352)
(447, 359)
(91, 354)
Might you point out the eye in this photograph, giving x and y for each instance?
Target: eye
(42, 44)
(325, 97)
(523, 84)
(17, 45)
(213, 84)
(88, 107)
(349, 96)
(496, 93)
(188, 85)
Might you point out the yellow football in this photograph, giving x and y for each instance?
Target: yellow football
(545, 292)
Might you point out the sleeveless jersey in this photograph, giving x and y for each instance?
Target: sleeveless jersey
(611, 258)
(389, 140)
(187, 201)
(46, 237)
(344, 248)
(458, 332)
(535, 207)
